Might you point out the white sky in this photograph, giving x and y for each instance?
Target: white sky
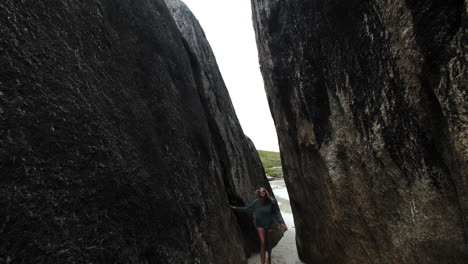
(228, 27)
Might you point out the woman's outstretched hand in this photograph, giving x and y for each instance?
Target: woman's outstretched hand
(284, 227)
(232, 207)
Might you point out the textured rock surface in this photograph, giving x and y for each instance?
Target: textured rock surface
(240, 163)
(113, 149)
(370, 103)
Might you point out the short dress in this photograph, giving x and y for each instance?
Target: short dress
(265, 213)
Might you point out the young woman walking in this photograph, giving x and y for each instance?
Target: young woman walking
(266, 211)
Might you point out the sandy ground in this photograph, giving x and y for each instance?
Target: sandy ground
(285, 252)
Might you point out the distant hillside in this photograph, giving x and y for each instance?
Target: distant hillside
(271, 162)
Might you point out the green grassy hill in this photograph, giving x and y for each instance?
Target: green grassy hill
(271, 159)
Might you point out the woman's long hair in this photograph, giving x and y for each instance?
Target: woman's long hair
(268, 197)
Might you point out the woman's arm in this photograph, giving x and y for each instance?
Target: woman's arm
(278, 216)
(247, 209)
(277, 213)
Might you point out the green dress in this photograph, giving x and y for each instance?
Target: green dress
(265, 213)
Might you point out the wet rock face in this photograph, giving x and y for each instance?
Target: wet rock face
(370, 104)
(109, 149)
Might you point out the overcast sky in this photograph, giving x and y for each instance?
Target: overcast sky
(228, 28)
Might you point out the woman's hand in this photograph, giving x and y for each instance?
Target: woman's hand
(232, 207)
(284, 227)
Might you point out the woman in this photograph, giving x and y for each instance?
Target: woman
(266, 211)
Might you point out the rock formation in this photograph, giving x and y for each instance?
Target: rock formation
(236, 153)
(118, 140)
(370, 103)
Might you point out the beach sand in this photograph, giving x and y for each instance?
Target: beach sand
(285, 252)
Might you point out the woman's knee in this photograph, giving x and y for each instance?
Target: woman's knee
(262, 241)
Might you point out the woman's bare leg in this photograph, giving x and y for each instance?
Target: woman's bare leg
(267, 242)
(261, 236)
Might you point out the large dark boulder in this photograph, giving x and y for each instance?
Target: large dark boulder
(109, 149)
(240, 164)
(370, 103)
